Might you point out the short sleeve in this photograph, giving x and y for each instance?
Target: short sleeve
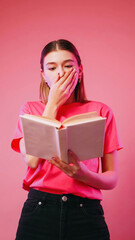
(18, 132)
(112, 140)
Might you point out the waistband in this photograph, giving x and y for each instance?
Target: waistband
(58, 198)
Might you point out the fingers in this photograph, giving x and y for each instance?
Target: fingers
(70, 170)
(72, 84)
(57, 79)
(61, 80)
(68, 82)
(67, 77)
(60, 164)
(73, 157)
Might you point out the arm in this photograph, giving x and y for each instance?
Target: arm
(105, 180)
(31, 161)
(108, 178)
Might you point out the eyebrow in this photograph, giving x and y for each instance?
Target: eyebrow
(68, 60)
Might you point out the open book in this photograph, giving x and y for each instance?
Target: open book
(46, 138)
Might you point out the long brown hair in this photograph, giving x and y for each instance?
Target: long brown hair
(61, 44)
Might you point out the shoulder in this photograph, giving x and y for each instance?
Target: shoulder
(101, 108)
(32, 107)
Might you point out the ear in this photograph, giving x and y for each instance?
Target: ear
(42, 74)
(80, 70)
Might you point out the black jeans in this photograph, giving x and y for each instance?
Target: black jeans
(48, 216)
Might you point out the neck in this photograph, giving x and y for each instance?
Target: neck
(71, 99)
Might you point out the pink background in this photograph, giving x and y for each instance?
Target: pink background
(104, 33)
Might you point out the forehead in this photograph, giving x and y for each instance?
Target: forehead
(59, 56)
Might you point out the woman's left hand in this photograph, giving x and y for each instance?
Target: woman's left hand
(75, 170)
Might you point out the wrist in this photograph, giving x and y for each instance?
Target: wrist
(50, 111)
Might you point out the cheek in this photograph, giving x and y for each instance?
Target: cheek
(49, 78)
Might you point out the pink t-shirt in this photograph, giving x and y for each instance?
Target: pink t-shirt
(47, 177)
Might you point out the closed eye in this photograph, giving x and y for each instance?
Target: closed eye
(69, 66)
(51, 68)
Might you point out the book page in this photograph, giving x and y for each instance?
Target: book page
(86, 140)
(40, 139)
(79, 118)
(41, 119)
(78, 121)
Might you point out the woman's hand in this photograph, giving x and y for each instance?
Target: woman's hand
(62, 88)
(75, 170)
(78, 170)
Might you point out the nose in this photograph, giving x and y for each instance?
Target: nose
(61, 71)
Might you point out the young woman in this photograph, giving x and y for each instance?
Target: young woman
(64, 199)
